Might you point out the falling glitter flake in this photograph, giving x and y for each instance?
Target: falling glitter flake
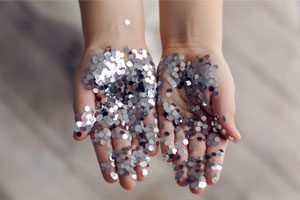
(127, 22)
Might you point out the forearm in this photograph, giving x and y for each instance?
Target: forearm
(191, 24)
(103, 22)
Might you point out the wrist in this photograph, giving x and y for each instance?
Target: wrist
(115, 42)
(187, 49)
(98, 46)
(187, 42)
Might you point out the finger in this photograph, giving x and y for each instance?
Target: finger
(197, 148)
(127, 175)
(103, 148)
(150, 135)
(83, 104)
(224, 106)
(145, 140)
(138, 145)
(141, 172)
(215, 150)
(166, 134)
(181, 157)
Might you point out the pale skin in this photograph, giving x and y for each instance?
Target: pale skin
(102, 28)
(187, 27)
(194, 28)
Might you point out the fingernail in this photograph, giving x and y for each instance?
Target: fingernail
(78, 134)
(232, 139)
(240, 136)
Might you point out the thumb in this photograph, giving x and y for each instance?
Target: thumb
(224, 106)
(84, 106)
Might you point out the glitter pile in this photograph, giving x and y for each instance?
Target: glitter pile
(124, 84)
(196, 80)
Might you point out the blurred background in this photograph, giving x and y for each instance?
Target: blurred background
(40, 45)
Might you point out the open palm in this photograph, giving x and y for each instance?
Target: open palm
(114, 98)
(196, 115)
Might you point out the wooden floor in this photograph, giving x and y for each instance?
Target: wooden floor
(40, 161)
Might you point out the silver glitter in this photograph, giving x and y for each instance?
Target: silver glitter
(87, 108)
(198, 79)
(223, 119)
(134, 176)
(217, 167)
(127, 81)
(185, 142)
(202, 183)
(203, 118)
(151, 148)
(144, 172)
(143, 164)
(223, 131)
(114, 175)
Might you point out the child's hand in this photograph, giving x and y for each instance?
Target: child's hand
(196, 114)
(114, 102)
